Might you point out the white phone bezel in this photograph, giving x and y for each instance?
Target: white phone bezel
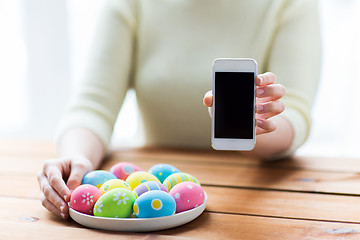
(232, 65)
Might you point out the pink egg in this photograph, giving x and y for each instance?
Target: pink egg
(124, 169)
(187, 195)
(84, 198)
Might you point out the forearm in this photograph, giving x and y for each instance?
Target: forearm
(273, 143)
(81, 142)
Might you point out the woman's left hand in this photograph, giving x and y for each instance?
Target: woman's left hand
(268, 104)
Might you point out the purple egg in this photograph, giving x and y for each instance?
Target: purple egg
(148, 186)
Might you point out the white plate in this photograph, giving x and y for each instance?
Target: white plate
(138, 224)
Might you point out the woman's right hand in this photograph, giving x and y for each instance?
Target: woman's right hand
(58, 178)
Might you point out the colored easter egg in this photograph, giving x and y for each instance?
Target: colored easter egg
(154, 204)
(187, 195)
(84, 197)
(97, 178)
(176, 178)
(114, 183)
(124, 169)
(139, 177)
(162, 171)
(116, 203)
(148, 186)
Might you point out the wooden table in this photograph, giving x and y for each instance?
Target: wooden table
(298, 198)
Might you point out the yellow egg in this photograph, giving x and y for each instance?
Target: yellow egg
(112, 184)
(139, 177)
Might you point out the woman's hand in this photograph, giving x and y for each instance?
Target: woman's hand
(267, 102)
(57, 180)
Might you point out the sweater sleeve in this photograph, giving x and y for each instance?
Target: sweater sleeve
(295, 58)
(96, 103)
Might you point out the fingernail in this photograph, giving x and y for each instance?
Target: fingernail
(62, 215)
(261, 81)
(260, 91)
(65, 197)
(62, 208)
(259, 121)
(260, 108)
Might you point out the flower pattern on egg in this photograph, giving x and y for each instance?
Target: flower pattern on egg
(98, 206)
(87, 198)
(120, 198)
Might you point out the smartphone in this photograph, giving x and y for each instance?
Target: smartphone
(233, 117)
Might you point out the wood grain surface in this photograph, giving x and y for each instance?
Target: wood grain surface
(296, 198)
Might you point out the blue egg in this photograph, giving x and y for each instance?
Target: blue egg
(154, 203)
(97, 178)
(162, 171)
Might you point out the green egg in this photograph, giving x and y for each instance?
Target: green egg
(116, 203)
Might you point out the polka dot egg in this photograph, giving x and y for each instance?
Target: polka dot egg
(97, 178)
(124, 169)
(154, 204)
(116, 203)
(187, 195)
(84, 197)
(148, 186)
(139, 177)
(114, 183)
(176, 178)
(162, 171)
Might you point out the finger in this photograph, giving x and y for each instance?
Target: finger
(271, 92)
(56, 181)
(49, 206)
(259, 131)
(52, 197)
(265, 126)
(270, 109)
(78, 170)
(208, 99)
(210, 109)
(265, 79)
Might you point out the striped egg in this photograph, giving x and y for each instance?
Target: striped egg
(148, 186)
(176, 178)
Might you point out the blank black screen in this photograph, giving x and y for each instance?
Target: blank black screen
(234, 105)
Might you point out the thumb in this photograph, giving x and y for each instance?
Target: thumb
(78, 170)
(208, 99)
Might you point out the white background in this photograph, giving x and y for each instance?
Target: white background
(43, 45)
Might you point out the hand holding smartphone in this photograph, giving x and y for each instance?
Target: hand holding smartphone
(233, 122)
